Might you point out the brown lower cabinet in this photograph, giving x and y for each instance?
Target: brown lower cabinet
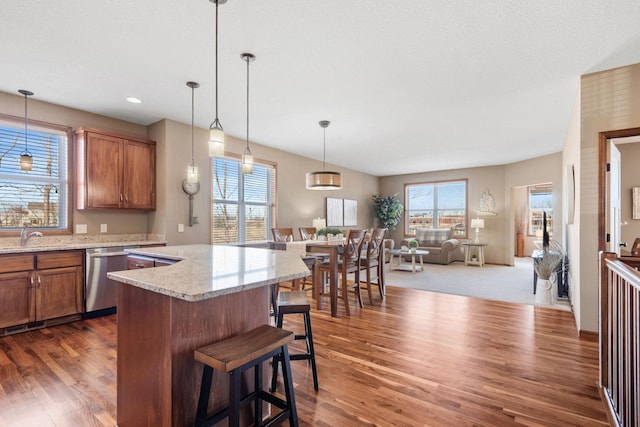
(37, 287)
(135, 262)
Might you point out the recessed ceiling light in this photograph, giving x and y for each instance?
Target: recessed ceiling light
(134, 100)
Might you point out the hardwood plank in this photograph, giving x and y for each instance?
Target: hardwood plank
(418, 358)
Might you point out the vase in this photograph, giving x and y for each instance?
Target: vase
(554, 289)
(412, 249)
(519, 245)
(543, 292)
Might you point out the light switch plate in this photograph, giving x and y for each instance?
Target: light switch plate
(81, 228)
(103, 228)
(180, 228)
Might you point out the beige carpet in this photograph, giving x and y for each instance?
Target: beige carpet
(501, 283)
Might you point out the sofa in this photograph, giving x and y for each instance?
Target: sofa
(442, 246)
(388, 245)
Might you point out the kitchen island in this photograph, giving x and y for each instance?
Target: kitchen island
(165, 313)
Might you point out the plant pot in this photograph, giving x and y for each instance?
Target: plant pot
(412, 249)
(543, 292)
(519, 245)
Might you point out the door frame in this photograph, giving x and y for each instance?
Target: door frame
(603, 137)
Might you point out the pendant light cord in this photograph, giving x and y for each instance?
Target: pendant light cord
(324, 147)
(26, 143)
(193, 88)
(216, 120)
(247, 149)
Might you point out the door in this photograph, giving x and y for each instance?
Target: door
(613, 198)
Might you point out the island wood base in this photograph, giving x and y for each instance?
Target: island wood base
(158, 380)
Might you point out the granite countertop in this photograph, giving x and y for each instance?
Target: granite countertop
(209, 271)
(11, 245)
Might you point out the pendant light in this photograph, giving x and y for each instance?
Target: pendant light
(216, 132)
(324, 180)
(192, 169)
(247, 157)
(26, 159)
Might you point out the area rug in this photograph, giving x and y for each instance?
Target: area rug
(494, 282)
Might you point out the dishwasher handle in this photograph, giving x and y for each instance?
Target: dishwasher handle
(108, 254)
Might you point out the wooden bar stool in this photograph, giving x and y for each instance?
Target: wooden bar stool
(234, 356)
(296, 302)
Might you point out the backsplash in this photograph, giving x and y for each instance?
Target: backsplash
(80, 239)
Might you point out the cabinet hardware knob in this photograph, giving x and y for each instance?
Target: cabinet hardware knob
(139, 265)
(39, 281)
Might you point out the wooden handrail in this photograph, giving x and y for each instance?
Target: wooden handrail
(620, 337)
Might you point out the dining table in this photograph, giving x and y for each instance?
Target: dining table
(331, 248)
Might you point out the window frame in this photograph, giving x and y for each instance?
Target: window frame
(271, 208)
(70, 178)
(435, 209)
(530, 211)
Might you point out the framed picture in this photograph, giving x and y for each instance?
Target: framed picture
(335, 214)
(636, 203)
(350, 213)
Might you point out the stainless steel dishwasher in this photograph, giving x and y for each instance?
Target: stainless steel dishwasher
(100, 292)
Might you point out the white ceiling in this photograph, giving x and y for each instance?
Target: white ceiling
(409, 85)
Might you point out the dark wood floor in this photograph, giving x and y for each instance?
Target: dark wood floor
(417, 359)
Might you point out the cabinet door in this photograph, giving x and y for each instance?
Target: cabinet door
(58, 292)
(139, 175)
(16, 296)
(103, 166)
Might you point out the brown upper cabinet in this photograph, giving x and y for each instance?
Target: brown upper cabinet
(114, 171)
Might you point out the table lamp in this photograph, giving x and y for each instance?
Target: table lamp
(477, 223)
(319, 223)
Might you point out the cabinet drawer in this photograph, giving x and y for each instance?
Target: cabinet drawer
(134, 263)
(11, 263)
(59, 259)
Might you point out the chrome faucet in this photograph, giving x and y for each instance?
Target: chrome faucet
(24, 237)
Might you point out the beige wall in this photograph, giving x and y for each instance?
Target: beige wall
(499, 180)
(609, 101)
(571, 161)
(296, 206)
(538, 170)
(117, 222)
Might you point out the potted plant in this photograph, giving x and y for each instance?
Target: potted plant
(324, 232)
(387, 210)
(413, 245)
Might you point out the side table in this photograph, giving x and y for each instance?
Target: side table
(479, 252)
(400, 254)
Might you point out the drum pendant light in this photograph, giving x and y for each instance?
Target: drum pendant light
(247, 157)
(216, 132)
(26, 159)
(192, 169)
(324, 179)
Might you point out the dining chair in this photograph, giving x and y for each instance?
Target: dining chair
(307, 233)
(635, 248)
(372, 257)
(349, 262)
(284, 234)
